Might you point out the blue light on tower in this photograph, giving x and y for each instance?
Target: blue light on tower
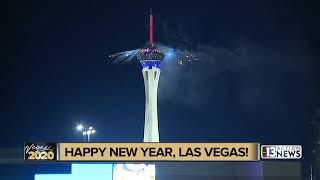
(150, 64)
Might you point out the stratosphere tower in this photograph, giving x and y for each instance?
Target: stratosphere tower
(150, 59)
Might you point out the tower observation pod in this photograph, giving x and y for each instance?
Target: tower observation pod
(150, 59)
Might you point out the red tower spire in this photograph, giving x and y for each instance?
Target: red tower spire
(151, 28)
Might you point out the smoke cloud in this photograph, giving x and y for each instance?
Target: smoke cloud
(248, 75)
(234, 70)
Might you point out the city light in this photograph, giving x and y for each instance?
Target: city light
(79, 127)
(86, 131)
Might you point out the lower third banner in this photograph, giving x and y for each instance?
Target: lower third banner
(159, 152)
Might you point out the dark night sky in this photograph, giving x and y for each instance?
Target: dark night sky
(55, 71)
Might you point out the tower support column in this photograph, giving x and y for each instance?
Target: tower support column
(151, 81)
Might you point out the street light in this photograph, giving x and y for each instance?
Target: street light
(86, 131)
(79, 127)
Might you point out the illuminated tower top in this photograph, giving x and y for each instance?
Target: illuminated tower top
(150, 56)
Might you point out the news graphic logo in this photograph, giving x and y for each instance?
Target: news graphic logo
(40, 151)
(281, 151)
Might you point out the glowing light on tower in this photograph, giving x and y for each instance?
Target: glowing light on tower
(150, 59)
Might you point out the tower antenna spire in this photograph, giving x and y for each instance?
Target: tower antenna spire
(151, 28)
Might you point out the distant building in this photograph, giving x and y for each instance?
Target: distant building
(261, 170)
(83, 171)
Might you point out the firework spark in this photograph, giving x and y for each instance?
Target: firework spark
(178, 56)
(125, 56)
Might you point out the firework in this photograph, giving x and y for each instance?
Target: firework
(170, 54)
(125, 56)
(178, 56)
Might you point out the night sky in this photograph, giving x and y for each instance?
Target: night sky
(257, 80)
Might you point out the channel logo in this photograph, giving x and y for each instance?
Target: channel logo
(281, 151)
(40, 151)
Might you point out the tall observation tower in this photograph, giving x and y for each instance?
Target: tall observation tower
(150, 59)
